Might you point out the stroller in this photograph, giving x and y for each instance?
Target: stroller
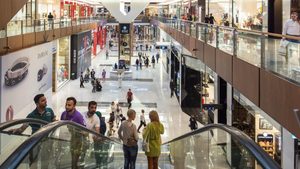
(98, 85)
(86, 78)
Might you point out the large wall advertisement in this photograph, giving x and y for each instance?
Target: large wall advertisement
(23, 75)
(81, 53)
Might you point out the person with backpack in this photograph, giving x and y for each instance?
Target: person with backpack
(100, 146)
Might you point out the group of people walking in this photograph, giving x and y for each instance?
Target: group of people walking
(95, 82)
(142, 57)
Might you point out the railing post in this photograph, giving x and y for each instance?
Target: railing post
(22, 31)
(197, 31)
(262, 48)
(217, 37)
(44, 24)
(234, 39)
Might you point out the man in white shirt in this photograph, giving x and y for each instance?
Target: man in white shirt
(142, 121)
(92, 122)
(292, 27)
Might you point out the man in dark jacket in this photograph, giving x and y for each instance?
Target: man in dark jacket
(172, 87)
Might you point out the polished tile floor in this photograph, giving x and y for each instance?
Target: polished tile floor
(153, 92)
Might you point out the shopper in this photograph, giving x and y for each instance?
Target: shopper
(153, 61)
(94, 85)
(106, 54)
(118, 113)
(103, 75)
(129, 97)
(101, 146)
(292, 27)
(111, 120)
(137, 64)
(193, 123)
(152, 136)
(81, 80)
(93, 74)
(92, 122)
(128, 134)
(172, 87)
(141, 62)
(212, 19)
(41, 112)
(50, 20)
(71, 114)
(142, 121)
(157, 57)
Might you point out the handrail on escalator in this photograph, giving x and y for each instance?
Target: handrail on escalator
(262, 157)
(11, 123)
(22, 151)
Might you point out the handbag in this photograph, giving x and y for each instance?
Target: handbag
(282, 50)
(145, 144)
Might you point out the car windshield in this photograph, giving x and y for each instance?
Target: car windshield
(19, 65)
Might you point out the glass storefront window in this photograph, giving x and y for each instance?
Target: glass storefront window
(250, 14)
(63, 61)
(265, 131)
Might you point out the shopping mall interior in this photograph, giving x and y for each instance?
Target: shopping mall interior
(220, 75)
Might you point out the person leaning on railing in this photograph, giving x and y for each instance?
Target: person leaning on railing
(292, 27)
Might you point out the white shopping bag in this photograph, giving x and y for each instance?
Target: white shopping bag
(283, 47)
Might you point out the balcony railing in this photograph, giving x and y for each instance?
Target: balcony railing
(262, 49)
(19, 27)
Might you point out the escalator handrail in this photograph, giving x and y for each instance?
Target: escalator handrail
(23, 150)
(11, 123)
(261, 156)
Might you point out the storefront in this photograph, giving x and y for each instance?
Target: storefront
(250, 14)
(61, 63)
(175, 74)
(265, 131)
(74, 9)
(191, 79)
(44, 7)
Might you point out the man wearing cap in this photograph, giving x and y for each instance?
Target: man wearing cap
(41, 112)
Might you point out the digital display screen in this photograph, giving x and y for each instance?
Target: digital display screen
(124, 28)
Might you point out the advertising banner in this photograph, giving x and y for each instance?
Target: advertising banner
(24, 74)
(81, 53)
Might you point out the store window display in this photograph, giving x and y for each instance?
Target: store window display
(250, 14)
(63, 62)
(265, 131)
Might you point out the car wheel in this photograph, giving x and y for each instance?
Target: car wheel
(13, 82)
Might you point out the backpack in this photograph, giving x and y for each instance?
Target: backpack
(102, 123)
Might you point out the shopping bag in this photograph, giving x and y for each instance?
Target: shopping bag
(282, 50)
(145, 146)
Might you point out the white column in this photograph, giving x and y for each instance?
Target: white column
(229, 120)
(216, 95)
(287, 151)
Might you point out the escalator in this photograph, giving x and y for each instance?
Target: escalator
(64, 144)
